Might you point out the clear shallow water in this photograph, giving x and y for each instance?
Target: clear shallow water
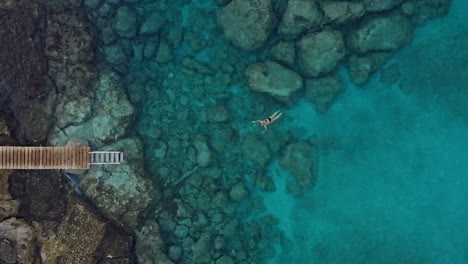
(392, 184)
(393, 179)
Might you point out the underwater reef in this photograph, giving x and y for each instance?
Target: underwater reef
(175, 84)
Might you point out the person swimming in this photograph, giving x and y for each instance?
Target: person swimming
(269, 120)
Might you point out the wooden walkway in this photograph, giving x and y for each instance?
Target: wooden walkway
(44, 158)
(35, 158)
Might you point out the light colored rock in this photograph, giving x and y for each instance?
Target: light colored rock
(247, 23)
(322, 91)
(319, 53)
(284, 52)
(125, 22)
(203, 152)
(74, 111)
(381, 33)
(272, 78)
(340, 12)
(300, 15)
(22, 238)
(111, 117)
(120, 192)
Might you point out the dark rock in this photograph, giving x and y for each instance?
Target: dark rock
(27, 91)
(42, 193)
(115, 245)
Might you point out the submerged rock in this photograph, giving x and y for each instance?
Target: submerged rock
(152, 24)
(272, 78)
(284, 52)
(381, 33)
(256, 150)
(299, 159)
(380, 5)
(125, 22)
(120, 192)
(341, 12)
(322, 91)
(320, 52)
(247, 23)
(238, 192)
(110, 120)
(300, 15)
(361, 67)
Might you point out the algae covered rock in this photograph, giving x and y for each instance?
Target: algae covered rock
(272, 78)
(300, 15)
(381, 33)
(247, 23)
(299, 158)
(322, 91)
(320, 52)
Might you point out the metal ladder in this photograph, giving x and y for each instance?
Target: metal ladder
(106, 157)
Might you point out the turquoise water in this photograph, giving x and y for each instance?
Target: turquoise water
(393, 186)
(392, 158)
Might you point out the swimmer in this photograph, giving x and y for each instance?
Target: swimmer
(266, 122)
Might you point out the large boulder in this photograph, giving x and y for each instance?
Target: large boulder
(381, 33)
(340, 12)
(247, 23)
(113, 112)
(272, 78)
(319, 53)
(121, 192)
(300, 15)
